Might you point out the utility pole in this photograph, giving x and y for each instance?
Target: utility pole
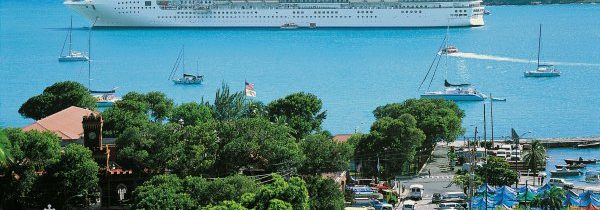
(471, 174)
(492, 117)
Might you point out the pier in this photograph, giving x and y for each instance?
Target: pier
(564, 142)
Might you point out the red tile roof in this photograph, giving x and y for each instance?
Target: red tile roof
(67, 124)
(341, 137)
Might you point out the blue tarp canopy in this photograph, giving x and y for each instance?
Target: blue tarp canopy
(480, 203)
(486, 187)
(529, 188)
(544, 188)
(588, 197)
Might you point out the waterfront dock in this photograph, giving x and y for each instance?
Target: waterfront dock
(565, 142)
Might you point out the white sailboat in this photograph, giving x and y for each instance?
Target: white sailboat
(542, 70)
(104, 98)
(185, 79)
(72, 55)
(452, 92)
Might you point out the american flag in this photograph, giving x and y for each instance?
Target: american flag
(250, 90)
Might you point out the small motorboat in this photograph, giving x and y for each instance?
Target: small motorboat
(580, 160)
(592, 176)
(560, 172)
(572, 166)
(487, 12)
(289, 26)
(589, 145)
(449, 50)
(498, 99)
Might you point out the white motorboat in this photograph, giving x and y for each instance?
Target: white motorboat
(72, 55)
(449, 50)
(185, 79)
(542, 70)
(592, 176)
(289, 26)
(460, 92)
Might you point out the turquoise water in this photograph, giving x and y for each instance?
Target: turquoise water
(351, 70)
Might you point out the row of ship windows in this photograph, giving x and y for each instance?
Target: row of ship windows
(458, 15)
(460, 10)
(128, 2)
(117, 8)
(180, 17)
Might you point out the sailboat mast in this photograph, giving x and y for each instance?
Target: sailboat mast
(90, 55)
(539, 45)
(71, 36)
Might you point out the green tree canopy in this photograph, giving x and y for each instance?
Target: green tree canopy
(227, 105)
(497, 172)
(226, 205)
(392, 143)
(185, 150)
(59, 96)
(31, 152)
(324, 193)
(438, 119)
(163, 192)
(76, 174)
(219, 189)
(324, 155)
(300, 111)
(256, 143)
(191, 113)
(292, 192)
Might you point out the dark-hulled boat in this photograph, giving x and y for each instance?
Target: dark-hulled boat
(589, 145)
(580, 160)
(572, 166)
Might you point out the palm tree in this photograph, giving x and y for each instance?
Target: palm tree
(551, 199)
(536, 156)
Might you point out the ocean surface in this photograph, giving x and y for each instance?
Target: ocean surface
(352, 70)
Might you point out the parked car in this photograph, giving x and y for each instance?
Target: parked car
(408, 205)
(437, 198)
(451, 206)
(560, 183)
(416, 192)
(454, 197)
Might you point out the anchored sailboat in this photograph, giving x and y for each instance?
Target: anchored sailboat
(72, 55)
(185, 79)
(452, 92)
(104, 98)
(542, 70)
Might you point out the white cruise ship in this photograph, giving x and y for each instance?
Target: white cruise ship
(275, 13)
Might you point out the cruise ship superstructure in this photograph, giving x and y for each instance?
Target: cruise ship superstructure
(275, 13)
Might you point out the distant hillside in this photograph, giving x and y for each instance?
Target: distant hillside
(524, 2)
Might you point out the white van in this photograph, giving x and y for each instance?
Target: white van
(408, 205)
(416, 192)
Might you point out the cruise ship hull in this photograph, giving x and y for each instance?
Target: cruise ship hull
(118, 13)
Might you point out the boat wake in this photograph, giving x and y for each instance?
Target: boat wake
(515, 60)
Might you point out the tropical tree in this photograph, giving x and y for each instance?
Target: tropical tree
(218, 190)
(57, 97)
(5, 157)
(31, 153)
(162, 192)
(227, 105)
(226, 205)
(463, 181)
(438, 119)
(191, 114)
(75, 175)
(289, 193)
(551, 199)
(256, 143)
(390, 147)
(300, 111)
(497, 172)
(324, 193)
(535, 157)
(324, 155)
